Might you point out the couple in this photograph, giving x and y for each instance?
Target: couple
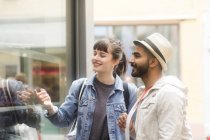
(159, 107)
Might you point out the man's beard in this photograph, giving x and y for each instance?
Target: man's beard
(139, 71)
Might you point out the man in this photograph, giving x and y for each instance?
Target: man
(161, 104)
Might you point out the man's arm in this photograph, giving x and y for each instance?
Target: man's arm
(170, 111)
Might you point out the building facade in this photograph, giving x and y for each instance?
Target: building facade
(186, 24)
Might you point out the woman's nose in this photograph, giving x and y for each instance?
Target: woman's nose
(95, 57)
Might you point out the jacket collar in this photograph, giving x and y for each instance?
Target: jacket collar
(118, 82)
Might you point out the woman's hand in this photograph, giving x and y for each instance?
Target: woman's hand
(45, 100)
(122, 122)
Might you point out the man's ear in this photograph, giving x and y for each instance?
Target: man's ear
(153, 62)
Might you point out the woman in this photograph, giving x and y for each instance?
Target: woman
(102, 101)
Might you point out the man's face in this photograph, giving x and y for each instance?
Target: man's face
(139, 62)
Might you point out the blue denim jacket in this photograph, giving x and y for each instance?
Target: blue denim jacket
(84, 109)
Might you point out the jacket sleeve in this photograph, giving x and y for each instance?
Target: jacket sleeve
(67, 112)
(171, 104)
(132, 95)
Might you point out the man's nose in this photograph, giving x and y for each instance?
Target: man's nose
(131, 60)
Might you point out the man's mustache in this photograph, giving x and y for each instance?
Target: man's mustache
(133, 64)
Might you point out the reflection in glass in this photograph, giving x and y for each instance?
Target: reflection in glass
(33, 42)
(16, 115)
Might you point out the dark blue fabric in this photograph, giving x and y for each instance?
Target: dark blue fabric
(11, 117)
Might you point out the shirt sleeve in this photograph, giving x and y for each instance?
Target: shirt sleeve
(171, 113)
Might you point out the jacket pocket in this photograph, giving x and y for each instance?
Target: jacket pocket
(83, 102)
(83, 107)
(148, 106)
(119, 109)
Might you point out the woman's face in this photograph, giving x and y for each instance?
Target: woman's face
(103, 61)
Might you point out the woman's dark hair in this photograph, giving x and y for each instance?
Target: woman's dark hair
(117, 53)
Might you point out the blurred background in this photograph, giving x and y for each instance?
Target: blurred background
(50, 43)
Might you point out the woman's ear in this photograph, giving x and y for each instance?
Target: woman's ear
(116, 62)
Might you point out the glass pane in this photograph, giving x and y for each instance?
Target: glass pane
(33, 51)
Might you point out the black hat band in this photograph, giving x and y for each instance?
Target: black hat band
(155, 48)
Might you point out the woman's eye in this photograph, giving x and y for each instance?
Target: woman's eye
(94, 53)
(103, 55)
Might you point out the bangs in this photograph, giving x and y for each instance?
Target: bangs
(101, 46)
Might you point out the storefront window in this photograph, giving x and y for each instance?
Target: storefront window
(32, 50)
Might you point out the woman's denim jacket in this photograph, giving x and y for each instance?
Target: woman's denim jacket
(84, 109)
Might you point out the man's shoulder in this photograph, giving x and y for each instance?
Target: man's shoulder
(131, 85)
(171, 92)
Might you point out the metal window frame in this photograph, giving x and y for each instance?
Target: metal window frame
(79, 33)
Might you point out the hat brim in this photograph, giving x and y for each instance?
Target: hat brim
(147, 46)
